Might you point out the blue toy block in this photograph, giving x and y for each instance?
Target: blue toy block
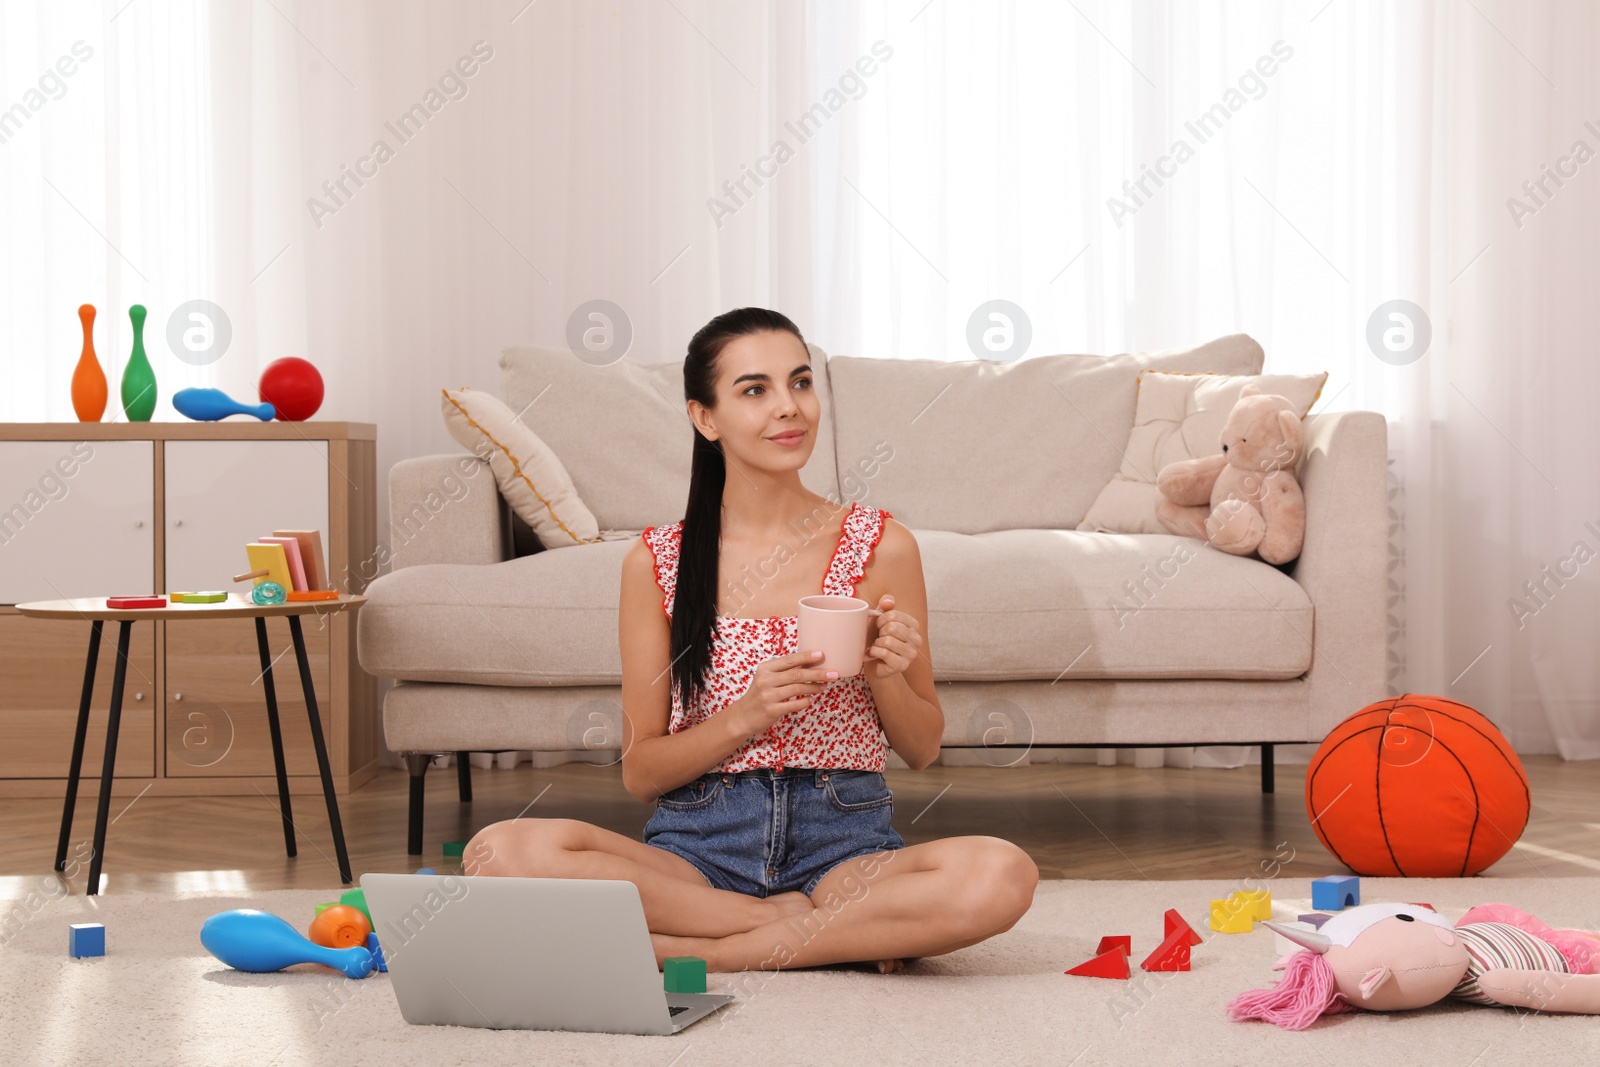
(377, 953)
(426, 870)
(86, 939)
(1315, 918)
(1335, 892)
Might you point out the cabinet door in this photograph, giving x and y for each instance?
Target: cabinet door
(76, 519)
(216, 710)
(42, 662)
(223, 494)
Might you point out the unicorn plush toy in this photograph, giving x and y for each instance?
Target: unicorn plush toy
(1394, 957)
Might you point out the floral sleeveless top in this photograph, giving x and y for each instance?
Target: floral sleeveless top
(840, 728)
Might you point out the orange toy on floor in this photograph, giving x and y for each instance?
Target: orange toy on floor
(340, 926)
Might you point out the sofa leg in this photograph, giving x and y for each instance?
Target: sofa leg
(1266, 768)
(464, 776)
(417, 765)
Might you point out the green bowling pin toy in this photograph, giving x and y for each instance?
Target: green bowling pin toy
(138, 379)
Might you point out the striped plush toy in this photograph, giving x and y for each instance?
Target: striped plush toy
(1393, 957)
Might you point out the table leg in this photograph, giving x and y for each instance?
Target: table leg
(277, 735)
(77, 743)
(103, 809)
(322, 748)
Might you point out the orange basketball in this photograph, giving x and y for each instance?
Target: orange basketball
(1417, 787)
(340, 926)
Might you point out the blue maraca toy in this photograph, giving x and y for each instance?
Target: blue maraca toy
(209, 405)
(258, 941)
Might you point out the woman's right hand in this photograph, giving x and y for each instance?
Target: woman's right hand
(781, 685)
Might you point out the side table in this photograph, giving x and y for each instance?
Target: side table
(94, 611)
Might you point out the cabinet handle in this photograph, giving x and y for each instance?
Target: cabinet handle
(177, 697)
(138, 524)
(177, 522)
(138, 696)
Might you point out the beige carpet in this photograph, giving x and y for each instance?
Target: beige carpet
(158, 998)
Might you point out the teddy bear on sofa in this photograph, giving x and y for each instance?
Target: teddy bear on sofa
(1245, 500)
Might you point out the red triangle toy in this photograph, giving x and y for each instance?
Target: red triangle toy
(1173, 953)
(1111, 941)
(1112, 964)
(1174, 921)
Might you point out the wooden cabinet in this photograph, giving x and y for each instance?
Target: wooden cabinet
(41, 663)
(79, 519)
(107, 508)
(216, 722)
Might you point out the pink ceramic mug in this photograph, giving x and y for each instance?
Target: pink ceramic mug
(838, 626)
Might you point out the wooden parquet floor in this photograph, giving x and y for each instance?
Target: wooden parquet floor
(1076, 820)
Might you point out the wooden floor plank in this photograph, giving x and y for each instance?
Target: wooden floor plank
(1076, 820)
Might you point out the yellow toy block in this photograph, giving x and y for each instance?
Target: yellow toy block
(1260, 899)
(1239, 912)
(1231, 916)
(269, 558)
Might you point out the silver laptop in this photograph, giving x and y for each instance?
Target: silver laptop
(525, 954)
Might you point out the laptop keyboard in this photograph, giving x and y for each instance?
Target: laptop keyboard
(677, 1009)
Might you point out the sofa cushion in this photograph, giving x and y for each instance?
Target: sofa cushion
(545, 619)
(623, 432)
(975, 446)
(1054, 604)
(1180, 417)
(1013, 604)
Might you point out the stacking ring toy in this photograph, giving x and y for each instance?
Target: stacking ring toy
(269, 593)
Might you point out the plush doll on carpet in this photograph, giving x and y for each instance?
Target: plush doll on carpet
(1394, 957)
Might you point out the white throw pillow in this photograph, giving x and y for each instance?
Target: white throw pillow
(1179, 417)
(530, 476)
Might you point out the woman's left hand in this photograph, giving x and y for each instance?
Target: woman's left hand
(897, 642)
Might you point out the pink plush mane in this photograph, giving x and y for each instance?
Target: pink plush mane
(1305, 994)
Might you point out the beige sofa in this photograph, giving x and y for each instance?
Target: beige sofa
(1041, 633)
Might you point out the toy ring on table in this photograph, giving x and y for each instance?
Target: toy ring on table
(269, 593)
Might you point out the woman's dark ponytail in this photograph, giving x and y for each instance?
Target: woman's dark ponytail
(694, 605)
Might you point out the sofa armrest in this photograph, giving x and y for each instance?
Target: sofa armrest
(1344, 564)
(446, 509)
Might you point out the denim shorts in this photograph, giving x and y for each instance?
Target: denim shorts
(762, 832)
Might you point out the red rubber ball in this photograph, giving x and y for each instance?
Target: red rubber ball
(293, 387)
(1417, 787)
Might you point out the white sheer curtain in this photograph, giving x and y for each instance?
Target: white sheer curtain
(937, 155)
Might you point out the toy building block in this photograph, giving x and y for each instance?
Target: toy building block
(1260, 901)
(1315, 919)
(455, 848)
(1111, 941)
(291, 553)
(310, 556)
(1335, 892)
(209, 596)
(324, 907)
(272, 559)
(118, 603)
(302, 596)
(86, 939)
(1172, 922)
(1420, 904)
(1231, 916)
(1172, 954)
(357, 899)
(1109, 964)
(426, 870)
(684, 974)
(377, 953)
